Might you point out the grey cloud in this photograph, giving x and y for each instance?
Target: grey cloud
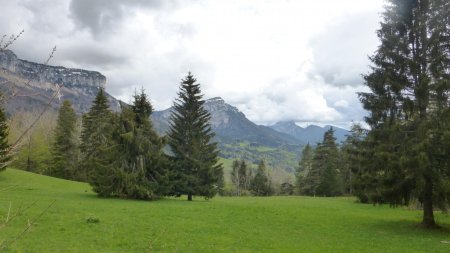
(100, 16)
(92, 56)
(341, 51)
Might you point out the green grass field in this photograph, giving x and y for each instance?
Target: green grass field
(246, 224)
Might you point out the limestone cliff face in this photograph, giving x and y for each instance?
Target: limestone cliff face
(50, 74)
(25, 77)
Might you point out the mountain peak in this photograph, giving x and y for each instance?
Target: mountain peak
(215, 100)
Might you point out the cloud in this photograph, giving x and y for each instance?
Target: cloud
(340, 52)
(104, 16)
(274, 60)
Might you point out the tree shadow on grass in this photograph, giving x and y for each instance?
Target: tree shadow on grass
(411, 227)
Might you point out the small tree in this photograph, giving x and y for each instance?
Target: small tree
(195, 156)
(241, 176)
(64, 147)
(261, 185)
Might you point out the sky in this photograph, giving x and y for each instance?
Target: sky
(276, 60)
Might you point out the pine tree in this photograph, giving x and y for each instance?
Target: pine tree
(352, 153)
(408, 104)
(140, 161)
(5, 156)
(304, 167)
(96, 141)
(64, 147)
(261, 185)
(323, 178)
(195, 155)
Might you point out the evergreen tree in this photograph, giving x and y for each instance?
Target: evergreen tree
(96, 141)
(140, 161)
(260, 185)
(304, 167)
(408, 104)
(352, 167)
(323, 178)
(64, 147)
(5, 156)
(195, 156)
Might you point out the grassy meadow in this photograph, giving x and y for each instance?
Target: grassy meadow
(78, 221)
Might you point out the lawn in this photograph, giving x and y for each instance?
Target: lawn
(78, 221)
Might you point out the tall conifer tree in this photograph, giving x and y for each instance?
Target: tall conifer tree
(409, 104)
(96, 142)
(196, 169)
(304, 167)
(64, 147)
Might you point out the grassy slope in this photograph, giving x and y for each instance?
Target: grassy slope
(276, 224)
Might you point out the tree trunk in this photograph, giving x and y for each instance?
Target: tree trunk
(189, 197)
(428, 216)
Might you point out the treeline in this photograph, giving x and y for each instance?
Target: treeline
(329, 169)
(121, 155)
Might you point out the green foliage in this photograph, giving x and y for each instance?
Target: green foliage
(266, 224)
(96, 144)
(304, 168)
(410, 87)
(129, 161)
(323, 179)
(260, 184)
(33, 152)
(352, 156)
(195, 156)
(5, 155)
(64, 149)
(287, 188)
(241, 176)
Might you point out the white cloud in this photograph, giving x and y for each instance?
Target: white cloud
(275, 60)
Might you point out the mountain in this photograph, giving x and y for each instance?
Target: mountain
(231, 125)
(32, 85)
(311, 134)
(238, 137)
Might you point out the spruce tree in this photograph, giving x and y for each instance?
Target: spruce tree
(352, 153)
(5, 156)
(96, 141)
(408, 104)
(196, 169)
(261, 185)
(323, 179)
(64, 147)
(140, 164)
(304, 167)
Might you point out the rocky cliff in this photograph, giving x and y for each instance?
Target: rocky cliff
(50, 74)
(35, 83)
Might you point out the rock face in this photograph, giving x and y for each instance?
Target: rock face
(50, 74)
(24, 78)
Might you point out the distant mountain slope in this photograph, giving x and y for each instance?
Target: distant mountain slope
(33, 85)
(231, 125)
(311, 134)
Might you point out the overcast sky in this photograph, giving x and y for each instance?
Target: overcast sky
(275, 60)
